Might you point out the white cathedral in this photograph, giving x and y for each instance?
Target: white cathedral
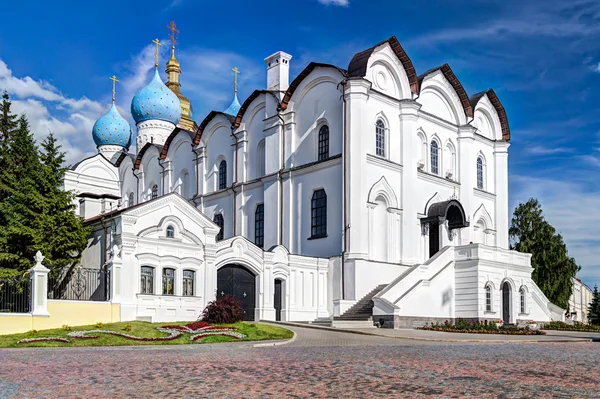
(369, 195)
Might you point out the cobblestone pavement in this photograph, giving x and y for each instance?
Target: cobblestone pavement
(318, 364)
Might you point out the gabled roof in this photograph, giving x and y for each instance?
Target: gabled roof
(499, 109)
(122, 157)
(211, 115)
(140, 155)
(246, 104)
(165, 148)
(453, 80)
(358, 64)
(290, 91)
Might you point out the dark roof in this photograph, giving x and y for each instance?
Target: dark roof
(140, 155)
(458, 87)
(122, 157)
(97, 196)
(211, 115)
(358, 64)
(439, 212)
(246, 104)
(165, 149)
(499, 109)
(290, 91)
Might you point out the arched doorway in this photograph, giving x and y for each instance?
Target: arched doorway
(506, 302)
(278, 299)
(239, 282)
(450, 212)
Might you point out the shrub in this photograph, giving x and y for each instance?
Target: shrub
(127, 327)
(99, 325)
(197, 325)
(32, 332)
(576, 326)
(224, 310)
(67, 327)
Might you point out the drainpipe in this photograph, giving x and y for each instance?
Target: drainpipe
(137, 185)
(163, 176)
(345, 210)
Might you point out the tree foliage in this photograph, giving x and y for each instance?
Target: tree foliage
(553, 268)
(594, 308)
(35, 213)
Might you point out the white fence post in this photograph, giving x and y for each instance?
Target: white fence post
(39, 287)
(114, 265)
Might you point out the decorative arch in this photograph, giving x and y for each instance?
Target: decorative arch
(140, 156)
(239, 251)
(246, 104)
(172, 136)
(211, 115)
(383, 189)
(300, 78)
(483, 214)
(456, 85)
(451, 211)
(495, 101)
(449, 160)
(359, 63)
(311, 85)
(442, 96)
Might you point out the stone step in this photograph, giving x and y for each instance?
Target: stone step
(351, 324)
(364, 316)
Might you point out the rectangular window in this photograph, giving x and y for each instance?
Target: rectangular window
(259, 226)
(188, 282)
(147, 283)
(168, 282)
(319, 214)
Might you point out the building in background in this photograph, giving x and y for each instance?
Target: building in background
(580, 299)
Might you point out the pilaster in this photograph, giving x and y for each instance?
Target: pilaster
(501, 190)
(467, 176)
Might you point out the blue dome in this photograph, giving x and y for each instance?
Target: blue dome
(234, 107)
(156, 101)
(112, 129)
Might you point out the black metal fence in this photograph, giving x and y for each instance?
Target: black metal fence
(15, 294)
(80, 284)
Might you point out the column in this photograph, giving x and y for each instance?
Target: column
(39, 287)
(467, 177)
(114, 268)
(501, 191)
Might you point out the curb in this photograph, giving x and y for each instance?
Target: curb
(277, 343)
(491, 341)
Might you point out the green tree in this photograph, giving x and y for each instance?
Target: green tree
(35, 213)
(594, 308)
(553, 268)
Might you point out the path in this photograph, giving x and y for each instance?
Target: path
(318, 364)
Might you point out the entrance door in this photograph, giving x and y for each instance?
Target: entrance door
(240, 283)
(277, 300)
(506, 303)
(434, 238)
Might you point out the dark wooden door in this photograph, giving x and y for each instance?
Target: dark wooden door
(434, 238)
(240, 283)
(506, 303)
(277, 300)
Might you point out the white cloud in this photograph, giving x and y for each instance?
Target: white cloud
(539, 150)
(595, 67)
(341, 3)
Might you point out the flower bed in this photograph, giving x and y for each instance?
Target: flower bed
(576, 326)
(198, 330)
(476, 327)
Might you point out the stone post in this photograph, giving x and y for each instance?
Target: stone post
(114, 269)
(39, 287)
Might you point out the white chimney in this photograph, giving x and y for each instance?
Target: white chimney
(278, 71)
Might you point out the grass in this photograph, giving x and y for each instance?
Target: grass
(253, 332)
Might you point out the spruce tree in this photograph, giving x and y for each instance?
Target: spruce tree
(594, 308)
(553, 268)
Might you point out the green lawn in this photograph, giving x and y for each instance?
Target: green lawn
(253, 332)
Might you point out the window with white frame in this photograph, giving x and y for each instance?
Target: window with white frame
(488, 298)
(480, 173)
(168, 281)
(259, 226)
(147, 280)
(380, 138)
(188, 282)
(435, 158)
(170, 232)
(319, 214)
(523, 300)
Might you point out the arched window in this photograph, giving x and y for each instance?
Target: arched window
(259, 226)
(435, 158)
(260, 159)
(147, 280)
(131, 199)
(168, 281)
(222, 175)
(154, 191)
(380, 138)
(488, 298)
(480, 173)
(170, 232)
(323, 143)
(218, 219)
(523, 299)
(319, 214)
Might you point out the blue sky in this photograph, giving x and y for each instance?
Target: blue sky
(541, 57)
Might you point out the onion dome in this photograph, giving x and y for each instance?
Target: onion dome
(156, 101)
(187, 111)
(112, 129)
(234, 107)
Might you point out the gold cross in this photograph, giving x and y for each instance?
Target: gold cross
(172, 27)
(236, 71)
(157, 42)
(114, 89)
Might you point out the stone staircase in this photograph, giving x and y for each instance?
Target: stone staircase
(360, 315)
